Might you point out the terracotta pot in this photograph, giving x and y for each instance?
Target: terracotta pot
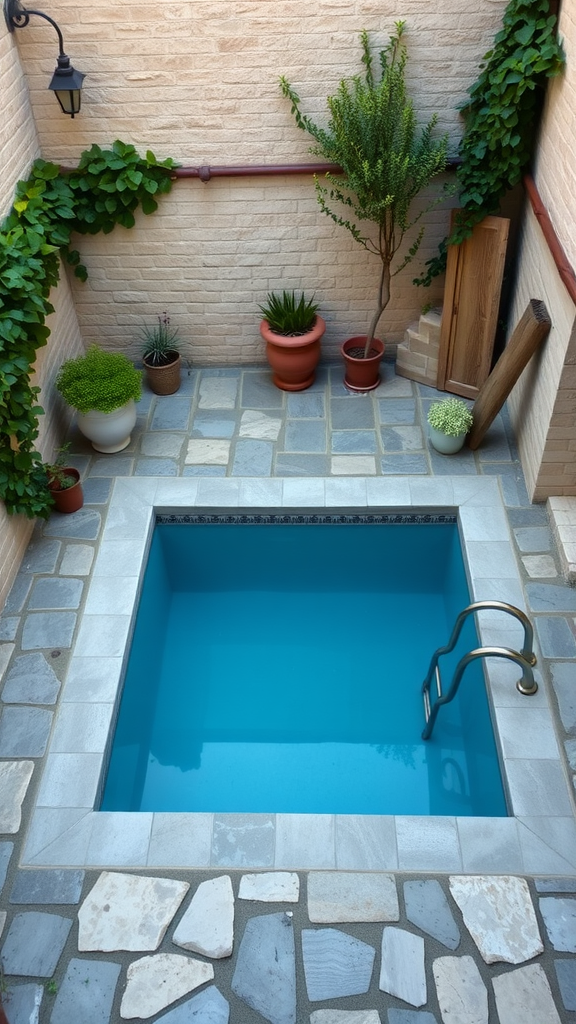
(67, 499)
(164, 380)
(362, 374)
(293, 359)
(109, 432)
(446, 444)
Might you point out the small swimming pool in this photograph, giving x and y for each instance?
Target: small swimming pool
(276, 666)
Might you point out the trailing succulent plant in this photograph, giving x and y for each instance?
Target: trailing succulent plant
(287, 316)
(450, 416)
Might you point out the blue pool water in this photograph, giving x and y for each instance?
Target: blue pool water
(278, 668)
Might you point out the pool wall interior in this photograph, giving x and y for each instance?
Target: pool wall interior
(276, 666)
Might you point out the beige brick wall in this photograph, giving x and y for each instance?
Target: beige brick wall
(544, 399)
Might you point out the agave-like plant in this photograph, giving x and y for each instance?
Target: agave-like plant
(372, 134)
(287, 316)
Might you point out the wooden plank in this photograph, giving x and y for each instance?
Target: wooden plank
(474, 274)
(530, 331)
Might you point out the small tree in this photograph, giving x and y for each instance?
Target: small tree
(373, 136)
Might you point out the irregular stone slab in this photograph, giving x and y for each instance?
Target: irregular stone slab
(499, 915)
(14, 780)
(338, 896)
(58, 886)
(335, 964)
(462, 994)
(560, 920)
(5, 854)
(34, 943)
(128, 912)
(555, 884)
(24, 732)
(265, 975)
(566, 974)
(208, 925)
(345, 1017)
(52, 592)
(259, 425)
(208, 1007)
(23, 1003)
(31, 680)
(154, 982)
(6, 652)
(411, 1017)
(86, 993)
(402, 970)
(524, 997)
(83, 525)
(270, 887)
(427, 908)
(48, 629)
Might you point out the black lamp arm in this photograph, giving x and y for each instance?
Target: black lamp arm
(18, 17)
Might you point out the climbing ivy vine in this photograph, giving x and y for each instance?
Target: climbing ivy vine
(501, 116)
(106, 189)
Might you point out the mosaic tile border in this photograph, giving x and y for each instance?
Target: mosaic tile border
(540, 837)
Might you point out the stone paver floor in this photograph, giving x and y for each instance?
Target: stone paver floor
(329, 947)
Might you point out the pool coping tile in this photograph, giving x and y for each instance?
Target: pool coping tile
(65, 831)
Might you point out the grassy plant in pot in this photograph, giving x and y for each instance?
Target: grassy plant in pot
(102, 387)
(372, 134)
(161, 356)
(292, 330)
(449, 421)
(64, 483)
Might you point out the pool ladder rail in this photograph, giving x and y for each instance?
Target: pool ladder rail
(525, 659)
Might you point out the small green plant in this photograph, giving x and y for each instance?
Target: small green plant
(160, 343)
(287, 316)
(57, 471)
(99, 380)
(450, 416)
(51, 987)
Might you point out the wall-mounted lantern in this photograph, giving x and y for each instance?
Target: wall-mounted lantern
(66, 81)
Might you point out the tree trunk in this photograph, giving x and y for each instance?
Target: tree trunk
(383, 300)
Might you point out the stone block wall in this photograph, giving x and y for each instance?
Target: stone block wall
(544, 400)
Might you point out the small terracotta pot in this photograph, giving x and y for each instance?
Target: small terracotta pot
(293, 359)
(362, 374)
(67, 499)
(164, 380)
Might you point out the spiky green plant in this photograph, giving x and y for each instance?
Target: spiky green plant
(287, 316)
(160, 344)
(372, 134)
(99, 380)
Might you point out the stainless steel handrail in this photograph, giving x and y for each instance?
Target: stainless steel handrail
(525, 659)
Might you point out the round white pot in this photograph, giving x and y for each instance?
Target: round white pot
(444, 443)
(109, 431)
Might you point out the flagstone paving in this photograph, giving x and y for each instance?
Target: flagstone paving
(240, 947)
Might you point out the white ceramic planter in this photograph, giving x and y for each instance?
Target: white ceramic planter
(444, 443)
(109, 431)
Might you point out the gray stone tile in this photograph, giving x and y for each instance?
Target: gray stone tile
(540, 566)
(258, 391)
(548, 844)
(404, 465)
(112, 466)
(353, 442)
(70, 780)
(24, 731)
(524, 997)
(5, 855)
(41, 556)
(402, 972)
(499, 915)
(533, 538)
(462, 994)
(44, 886)
(84, 524)
(23, 1003)
(31, 680)
(18, 594)
(86, 993)
(77, 560)
(261, 492)
(119, 839)
(48, 629)
(411, 1017)
(180, 840)
(162, 445)
(265, 973)
(560, 921)
(9, 627)
(535, 515)
(397, 410)
(545, 597)
(92, 680)
(34, 943)
(213, 423)
(56, 593)
(209, 1006)
(204, 471)
(402, 439)
(243, 840)
(305, 436)
(305, 405)
(537, 788)
(427, 907)
(493, 847)
(460, 464)
(155, 467)
(337, 897)
(566, 975)
(366, 843)
(335, 964)
(96, 490)
(355, 412)
(302, 465)
(555, 636)
(555, 884)
(14, 781)
(210, 452)
(427, 844)
(170, 413)
(252, 458)
(58, 835)
(304, 841)
(263, 425)
(81, 728)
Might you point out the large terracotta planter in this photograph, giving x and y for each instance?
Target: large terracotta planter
(164, 380)
(293, 359)
(67, 499)
(109, 432)
(362, 374)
